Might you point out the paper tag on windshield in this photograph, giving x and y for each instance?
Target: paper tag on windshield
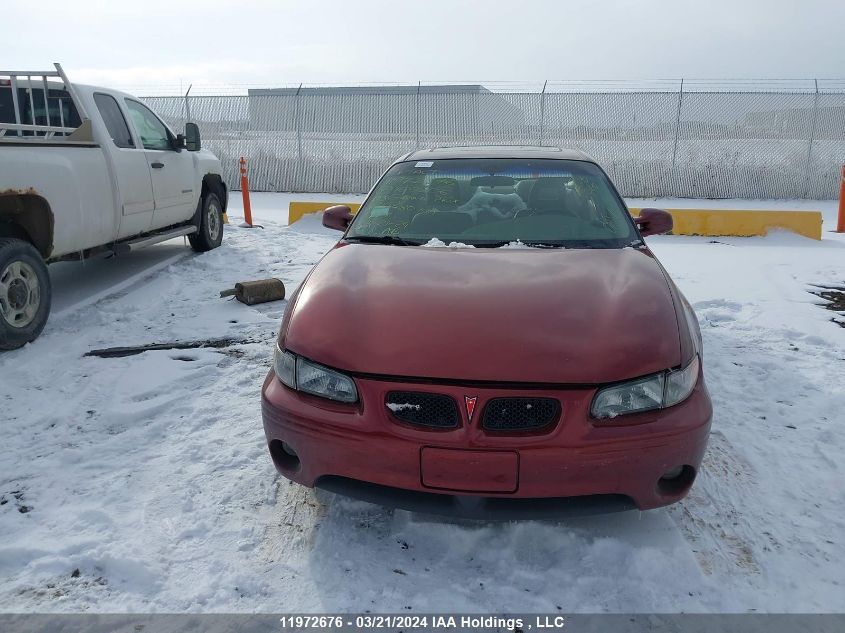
(424, 163)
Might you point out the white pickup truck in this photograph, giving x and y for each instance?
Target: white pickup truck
(86, 172)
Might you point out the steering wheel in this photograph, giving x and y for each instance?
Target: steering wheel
(524, 213)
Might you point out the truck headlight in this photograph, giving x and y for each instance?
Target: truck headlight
(658, 391)
(303, 375)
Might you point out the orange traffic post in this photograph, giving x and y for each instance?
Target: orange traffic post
(245, 193)
(840, 223)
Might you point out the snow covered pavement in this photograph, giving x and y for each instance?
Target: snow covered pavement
(149, 474)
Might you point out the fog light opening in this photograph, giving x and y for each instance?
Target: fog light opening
(284, 456)
(676, 481)
(673, 474)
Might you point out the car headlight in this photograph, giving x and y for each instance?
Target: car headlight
(284, 364)
(646, 394)
(679, 384)
(303, 375)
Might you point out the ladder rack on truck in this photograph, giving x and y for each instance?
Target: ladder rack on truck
(17, 90)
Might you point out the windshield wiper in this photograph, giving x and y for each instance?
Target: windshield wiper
(382, 239)
(544, 244)
(501, 243)
(490, 244)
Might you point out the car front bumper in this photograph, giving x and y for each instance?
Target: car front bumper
(577, 466)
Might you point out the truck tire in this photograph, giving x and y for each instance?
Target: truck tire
(25, 293)
(210, 231)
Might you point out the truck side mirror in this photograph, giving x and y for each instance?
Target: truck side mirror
(192, 137)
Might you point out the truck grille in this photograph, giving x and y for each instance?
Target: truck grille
(519, 414)
(423, 409)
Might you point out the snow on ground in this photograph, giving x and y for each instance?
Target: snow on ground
(149, 474)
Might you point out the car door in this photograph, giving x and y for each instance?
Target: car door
(131, 171)
(171, 169)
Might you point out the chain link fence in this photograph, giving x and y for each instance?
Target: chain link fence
(770, 139)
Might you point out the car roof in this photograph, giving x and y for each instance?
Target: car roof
(497, 151)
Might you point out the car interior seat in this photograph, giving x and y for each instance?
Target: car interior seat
(548, 195)
(523, 189)
(406, 198)
(579, 207)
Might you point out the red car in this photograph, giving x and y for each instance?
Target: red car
(490, 338)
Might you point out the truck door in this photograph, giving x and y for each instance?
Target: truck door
(131, 170)
(171, 170)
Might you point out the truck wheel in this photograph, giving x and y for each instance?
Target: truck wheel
(210, 233)
(24, 293)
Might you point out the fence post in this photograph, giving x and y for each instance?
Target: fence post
(188, 104)
(300, 167)
(418, 115)
(809, 166)
(543, 111)
(673, 173)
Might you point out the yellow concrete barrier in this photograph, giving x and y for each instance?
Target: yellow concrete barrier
(743, 222)
(297, 209)
(715, 222)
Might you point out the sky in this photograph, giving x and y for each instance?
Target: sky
(263, 42)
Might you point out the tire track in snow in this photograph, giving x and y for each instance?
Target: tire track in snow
(171, 448)
(773, 404)
(297, 515)
(123, 286)
(708, 513)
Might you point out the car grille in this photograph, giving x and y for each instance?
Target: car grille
(424, 409)
(519, 414)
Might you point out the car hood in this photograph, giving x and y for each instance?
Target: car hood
(575, 316)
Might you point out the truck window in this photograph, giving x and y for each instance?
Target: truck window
(62, 112)
(7, 112)
(116, 124)
(152, 131)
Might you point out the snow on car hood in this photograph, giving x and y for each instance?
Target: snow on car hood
(577, 316)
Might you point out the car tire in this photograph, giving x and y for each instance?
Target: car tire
(209, 233)
(25, 293)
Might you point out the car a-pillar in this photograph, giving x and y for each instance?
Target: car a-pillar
(26, 240)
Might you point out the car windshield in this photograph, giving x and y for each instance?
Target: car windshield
(495, 202)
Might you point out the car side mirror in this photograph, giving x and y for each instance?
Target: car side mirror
(179, 142)
(337, 217)
(192, 137)
(653, 222)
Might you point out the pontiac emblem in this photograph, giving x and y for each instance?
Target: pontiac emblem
(470, 404)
